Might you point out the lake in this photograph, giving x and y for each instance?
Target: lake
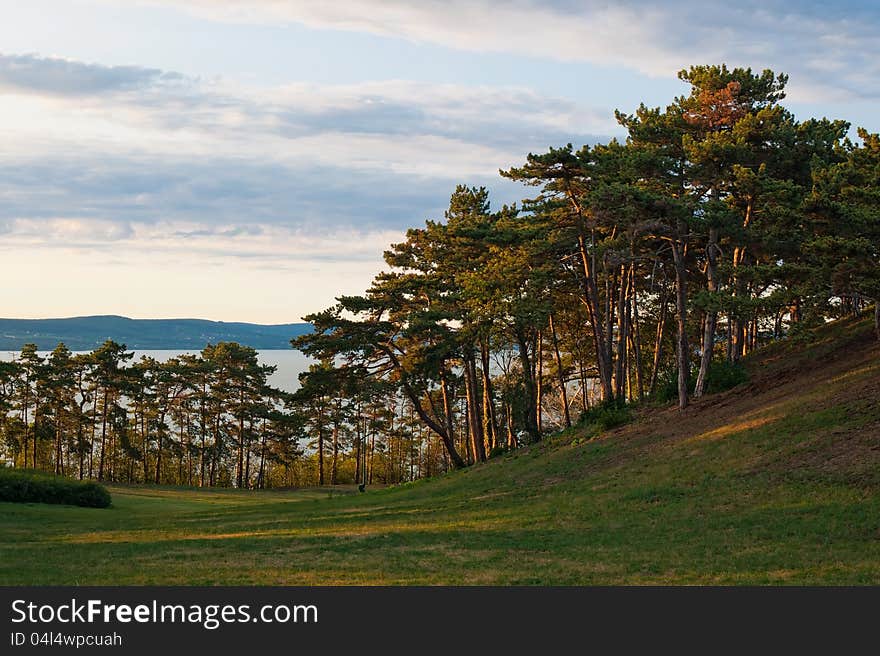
(289, 362)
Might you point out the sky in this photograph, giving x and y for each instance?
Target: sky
(249, 160)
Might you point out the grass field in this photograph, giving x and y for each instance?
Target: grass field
(776, 481)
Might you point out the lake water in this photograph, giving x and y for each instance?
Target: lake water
(289, 363)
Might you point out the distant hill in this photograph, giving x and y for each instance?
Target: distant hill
(85, 333)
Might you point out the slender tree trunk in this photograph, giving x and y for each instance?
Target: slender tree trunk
(94, 431)
(80, 445)
(334, 463)
(658, 341)
(103, 436)
(619, 376)
(682, 354)
(539, 381)
(591, 299)
(610, 286)
(144, 446)
(635, 333)
(372, 453)
(708, 346)
(160, 430)
(508, 416)
(585, 400)
(448, 413)
(877, 317)
(247, 454)
(475, 426)
(59, 463)
(529, 384)
(738, 328)
(321, 445)
(357, 444)
(36, 423)
(560, 374)
(27, 387)
(218, 445)
(490, 421)
(465, 433)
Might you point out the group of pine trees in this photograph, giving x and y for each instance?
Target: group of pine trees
(209, 419)
(720, 223)
(640, 269)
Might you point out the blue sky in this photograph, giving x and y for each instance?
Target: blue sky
(249, 159)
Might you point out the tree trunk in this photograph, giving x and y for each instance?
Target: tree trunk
(103, 436)
(357, 444)
(591, 298)
(877, 317)
(620, 371)
(321, 445)
(27, 387)
(334, 463)
(681, 320)
(539, 382)
(490, 421)
(635, 332)
(59, 463)
(218, 445)
(159, 431)
(475, 425)
(708, 346)
(560, 375)
(36, 423)
(585, 399)
(529, 384)
(447, 430)
(658, 341)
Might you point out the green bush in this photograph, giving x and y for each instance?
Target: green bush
(606, 415)
(29, 486)
(723, 375)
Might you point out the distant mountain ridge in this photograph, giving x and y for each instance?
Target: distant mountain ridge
(85, 333)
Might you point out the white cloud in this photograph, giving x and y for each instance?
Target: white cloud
(805, 39)
(270, 274)
(66, 77)
(372, 154)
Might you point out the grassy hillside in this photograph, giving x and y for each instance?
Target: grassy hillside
(777, 481)
(85, 333)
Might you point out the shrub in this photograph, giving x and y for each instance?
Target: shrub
(723, 375)
(606, 415)
(29, 486)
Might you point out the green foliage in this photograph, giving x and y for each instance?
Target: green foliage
(29, 486)
(606, 415)
(723, 375)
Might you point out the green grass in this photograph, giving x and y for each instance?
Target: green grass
(777, 483)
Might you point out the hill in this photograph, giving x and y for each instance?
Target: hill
(85, 333)
(775, 481)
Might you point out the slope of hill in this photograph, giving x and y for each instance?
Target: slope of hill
(776, 481)
(85, 333)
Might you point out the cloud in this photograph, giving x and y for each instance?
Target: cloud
(378, 155)
(63, 77)
(830, 50)
(273, 276)
(173, 240)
